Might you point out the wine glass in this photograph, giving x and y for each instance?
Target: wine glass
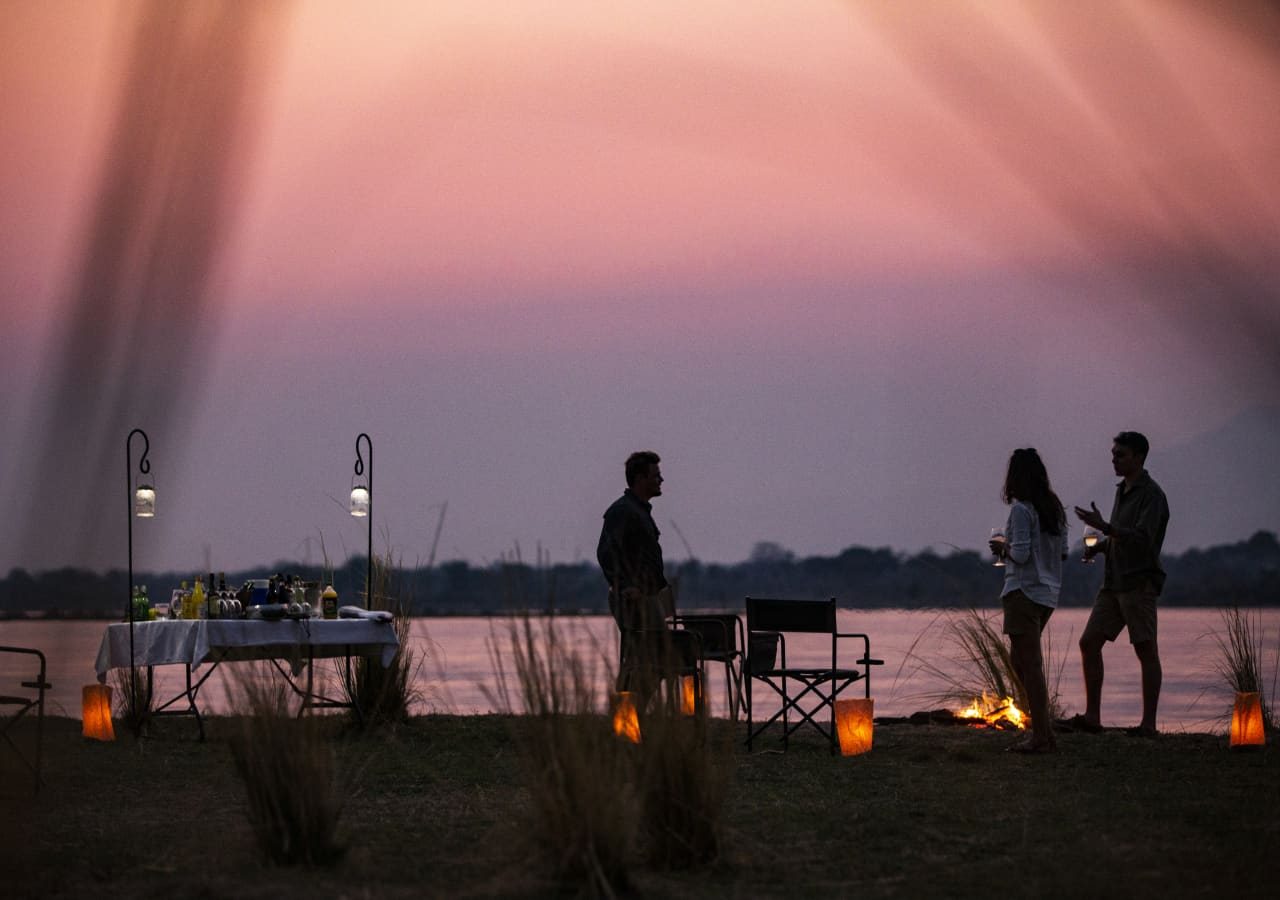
(1091, 538)
(997, 535)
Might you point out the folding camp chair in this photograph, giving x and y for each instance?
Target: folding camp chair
(25, 703)
(720, 640)
(768, 623)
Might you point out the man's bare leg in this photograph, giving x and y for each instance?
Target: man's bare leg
(1091, 662)
(1152, 676)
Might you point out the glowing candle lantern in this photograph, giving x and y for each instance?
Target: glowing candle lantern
(689, 694)
(854, 724)
(1246, 721)
(359, 501)
(144, 501)
(96, 712)
(626, 724)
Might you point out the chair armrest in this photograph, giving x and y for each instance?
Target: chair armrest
(39, 683)
(866, 643)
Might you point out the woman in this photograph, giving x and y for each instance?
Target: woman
(1034, 547)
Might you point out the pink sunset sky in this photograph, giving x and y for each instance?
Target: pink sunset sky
(833, 261)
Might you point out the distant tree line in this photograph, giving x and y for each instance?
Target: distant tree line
(1244, 573)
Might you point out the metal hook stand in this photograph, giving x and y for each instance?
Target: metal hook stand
(144, 467)
(360, 470)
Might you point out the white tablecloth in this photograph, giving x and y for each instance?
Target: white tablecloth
(167, 642)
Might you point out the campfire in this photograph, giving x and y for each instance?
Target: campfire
(989, 711)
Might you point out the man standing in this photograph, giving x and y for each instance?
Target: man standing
(1131, 581)
(631, 559)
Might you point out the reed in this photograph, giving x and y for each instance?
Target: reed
(386, 696)
(682, 782)
(582, 807)
(1239, 659)
(131, 699)
(293, 795)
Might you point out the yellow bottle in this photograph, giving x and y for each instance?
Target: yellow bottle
(198, 610)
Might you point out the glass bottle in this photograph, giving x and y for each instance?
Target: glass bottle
(199, 609)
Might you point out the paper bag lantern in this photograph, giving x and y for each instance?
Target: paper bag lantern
(688, 694)
(626, 724)
(1246, 721)
(96, 712)
(854, 723)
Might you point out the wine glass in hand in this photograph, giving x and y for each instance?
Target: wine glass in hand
(997, 545)
(1091, 538)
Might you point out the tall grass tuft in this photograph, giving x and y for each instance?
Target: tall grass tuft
(1239, 661)
(386, 696)
(131, 700)
(289, 771)
(582, 804)
(682, 781)
(980, 662)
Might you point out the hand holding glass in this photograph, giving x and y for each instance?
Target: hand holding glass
(997, 537)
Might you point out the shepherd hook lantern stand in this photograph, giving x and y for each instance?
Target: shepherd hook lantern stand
(142, 503)
(362, 507)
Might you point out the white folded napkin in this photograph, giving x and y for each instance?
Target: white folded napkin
(356, 612)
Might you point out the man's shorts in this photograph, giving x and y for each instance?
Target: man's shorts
(1022, 615)
(1113, 611)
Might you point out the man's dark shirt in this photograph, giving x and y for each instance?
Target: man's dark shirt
(1138, 522)
(628, 552)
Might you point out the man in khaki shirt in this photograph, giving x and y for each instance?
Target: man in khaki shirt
(1131, 583)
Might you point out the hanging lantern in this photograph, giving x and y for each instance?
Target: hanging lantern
(626, 724)
(1246, 721)
(854, 724)
(96, 712)
(359, 501)
(144, 501)
(688, 694)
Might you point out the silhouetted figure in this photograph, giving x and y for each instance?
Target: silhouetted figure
(639, 597)
(1131, 582)
(1034, 548)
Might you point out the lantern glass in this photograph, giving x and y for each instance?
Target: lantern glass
(144, 501)
(855, 722)
(626, 724)
(1246, 721)
(96, 712)
(359, 501)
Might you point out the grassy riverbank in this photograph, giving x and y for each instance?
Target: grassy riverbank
(436, 809)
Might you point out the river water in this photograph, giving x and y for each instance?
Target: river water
(457, 672)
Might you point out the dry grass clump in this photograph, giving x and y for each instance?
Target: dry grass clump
(289, 771)
(682, 781)
(385, 696)
(582, 804)
(130, 698)
(1239, 661)
(598, 801)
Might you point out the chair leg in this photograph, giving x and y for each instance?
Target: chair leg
(728, 690)
(39, 740)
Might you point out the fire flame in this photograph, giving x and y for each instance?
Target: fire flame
(999, 712)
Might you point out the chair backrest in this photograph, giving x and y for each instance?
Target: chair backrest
(813, 616)
(717, 633)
